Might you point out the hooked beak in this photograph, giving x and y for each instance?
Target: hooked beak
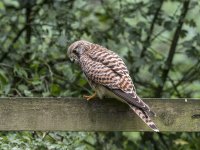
(72, 60)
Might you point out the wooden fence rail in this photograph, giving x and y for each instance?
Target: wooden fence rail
(73, 114)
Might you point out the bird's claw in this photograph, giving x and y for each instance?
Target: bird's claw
(89, 97)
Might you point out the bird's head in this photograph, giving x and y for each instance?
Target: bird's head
(76, 49)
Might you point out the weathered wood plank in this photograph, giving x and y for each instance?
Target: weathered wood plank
(72, 114)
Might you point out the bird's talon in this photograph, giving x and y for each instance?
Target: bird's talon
(86, 97)
(89, 97)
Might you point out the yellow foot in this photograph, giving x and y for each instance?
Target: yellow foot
(89, 97)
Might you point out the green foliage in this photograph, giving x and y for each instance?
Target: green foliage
(35, 34)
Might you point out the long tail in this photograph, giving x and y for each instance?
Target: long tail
(145, 117)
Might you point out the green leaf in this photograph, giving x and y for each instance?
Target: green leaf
(7, 89)
(188, 44)
(22, 87)
(36, 82)
(28, 93)
(169, 25)
(197, 39)
(20, 71)
(82, 82)
(3, 77)
(183, 33)
(141, 24)
(55, 89)
(46, 94)
(193, 52)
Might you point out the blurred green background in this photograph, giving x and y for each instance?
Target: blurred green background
(159, 41)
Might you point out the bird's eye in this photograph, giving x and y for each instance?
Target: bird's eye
(75, 51)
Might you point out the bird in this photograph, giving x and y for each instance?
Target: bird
(108, 75)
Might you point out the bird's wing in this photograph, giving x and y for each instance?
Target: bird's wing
(112, 61)
(107, 69)
(108, 58)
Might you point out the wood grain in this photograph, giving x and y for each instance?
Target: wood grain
(73, 114)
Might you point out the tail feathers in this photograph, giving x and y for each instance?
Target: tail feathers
(150, 113)
(145, 117)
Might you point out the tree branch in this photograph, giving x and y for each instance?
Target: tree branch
(175, 88)
(188, 74)
(12, 43)
(28, 24)
(168, 62)
(150, 33)
(151, 29)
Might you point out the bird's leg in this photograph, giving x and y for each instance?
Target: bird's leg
(90, 96)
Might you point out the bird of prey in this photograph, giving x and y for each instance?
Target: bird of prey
(107, 74)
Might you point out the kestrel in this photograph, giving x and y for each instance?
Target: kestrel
(107, 74)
